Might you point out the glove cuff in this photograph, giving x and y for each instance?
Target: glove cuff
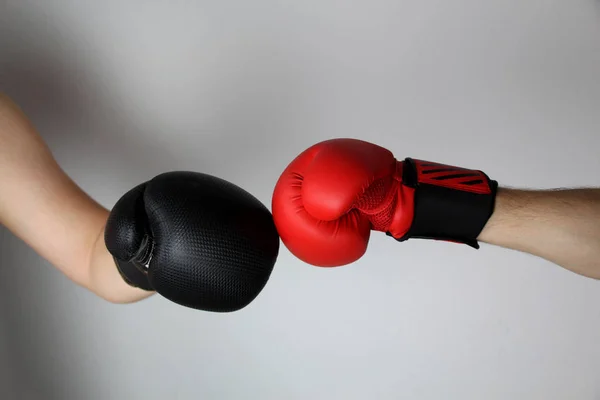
(135, 271)
(133, 275)
(451, 203)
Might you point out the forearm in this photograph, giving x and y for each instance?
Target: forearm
(41, 205)
(562, 226)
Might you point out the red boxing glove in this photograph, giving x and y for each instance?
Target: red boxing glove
(331, 196)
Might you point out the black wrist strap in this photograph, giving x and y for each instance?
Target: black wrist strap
(133, 275)
(451, 203)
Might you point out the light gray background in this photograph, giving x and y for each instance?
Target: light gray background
(124, 90)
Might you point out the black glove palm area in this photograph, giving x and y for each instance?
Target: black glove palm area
(198, 240)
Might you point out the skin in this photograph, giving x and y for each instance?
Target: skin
(561, 226)
(42, 206)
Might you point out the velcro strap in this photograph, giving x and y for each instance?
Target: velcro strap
(133, 274)
(451, 203)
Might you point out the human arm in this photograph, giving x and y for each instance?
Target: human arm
(42, 206)
(562, 226)
(330, 197)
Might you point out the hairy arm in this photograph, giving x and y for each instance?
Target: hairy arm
(562, 226)
(42, 206)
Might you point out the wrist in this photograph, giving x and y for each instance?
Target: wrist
(509, 217)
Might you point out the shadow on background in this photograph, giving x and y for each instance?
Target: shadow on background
(32, 330)
(37, 70)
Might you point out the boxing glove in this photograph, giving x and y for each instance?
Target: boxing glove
(197, 240)
(332, 195)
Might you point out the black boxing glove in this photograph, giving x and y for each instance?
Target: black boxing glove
(197, 240)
